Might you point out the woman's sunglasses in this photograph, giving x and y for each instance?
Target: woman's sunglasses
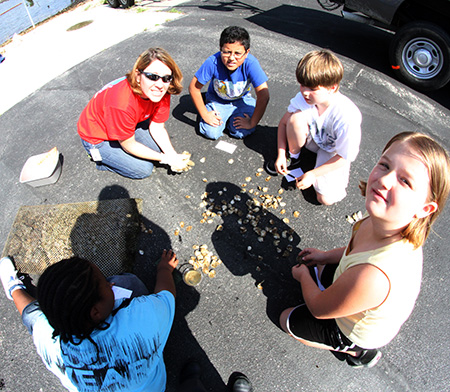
(154, 78)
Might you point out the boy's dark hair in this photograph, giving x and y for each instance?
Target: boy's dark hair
(66, 293)
(234, 34)
(319, 68)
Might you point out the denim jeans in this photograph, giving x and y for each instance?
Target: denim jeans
(130, 282)
(228, 112)
(115, 159)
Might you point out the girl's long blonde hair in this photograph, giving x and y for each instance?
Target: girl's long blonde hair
(437, 161)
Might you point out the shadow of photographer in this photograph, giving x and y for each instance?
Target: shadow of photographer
(230, 6)
(264, 142)
(255, 241)
(145, 242)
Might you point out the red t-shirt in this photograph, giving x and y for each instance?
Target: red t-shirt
(114, 112)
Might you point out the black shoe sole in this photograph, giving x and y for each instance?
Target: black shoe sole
(357, 363)
(273, 173)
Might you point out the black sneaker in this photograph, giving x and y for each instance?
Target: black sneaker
(292, 163)
(239, 382)
(269, 166)
(339, 355)
(27, 281)
(367, 358)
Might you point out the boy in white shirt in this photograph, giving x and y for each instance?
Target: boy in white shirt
(325, 122)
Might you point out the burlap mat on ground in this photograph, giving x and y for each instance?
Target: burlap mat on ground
(104, 232)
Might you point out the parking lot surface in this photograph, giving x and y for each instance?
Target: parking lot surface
(230, 322)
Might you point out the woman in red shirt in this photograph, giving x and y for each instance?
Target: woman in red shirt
(122, 126)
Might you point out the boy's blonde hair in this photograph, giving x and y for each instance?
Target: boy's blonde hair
(437, 161)
(319, 68)
(145, 59)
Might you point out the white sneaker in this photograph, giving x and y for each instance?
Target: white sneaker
(9, 278)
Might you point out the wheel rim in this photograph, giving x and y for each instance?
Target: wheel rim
(422, 58)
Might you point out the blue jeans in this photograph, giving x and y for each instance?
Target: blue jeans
(228, 112)
(130, 282)
(115, 159)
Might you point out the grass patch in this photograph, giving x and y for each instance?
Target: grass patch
(80, 25)
(175, 11)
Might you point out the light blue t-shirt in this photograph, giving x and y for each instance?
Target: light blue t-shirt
(228, 86)
(127, 355)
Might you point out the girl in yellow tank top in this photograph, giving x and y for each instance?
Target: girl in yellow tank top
(376, 278)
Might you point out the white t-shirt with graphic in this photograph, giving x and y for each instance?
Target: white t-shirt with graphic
(337, 130)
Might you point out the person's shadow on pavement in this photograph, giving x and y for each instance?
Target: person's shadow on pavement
(152, 240)
(258, 243)
(264, 142)
(186, 112)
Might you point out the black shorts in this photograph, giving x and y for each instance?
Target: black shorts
(303, 325)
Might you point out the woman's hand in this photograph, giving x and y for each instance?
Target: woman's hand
(177, 162)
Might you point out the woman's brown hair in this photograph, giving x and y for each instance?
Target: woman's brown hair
(145, 59)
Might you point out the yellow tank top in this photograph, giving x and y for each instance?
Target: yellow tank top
(402, 264)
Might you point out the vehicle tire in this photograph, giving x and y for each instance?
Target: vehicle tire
(420, 55)
(126, 3)
(114, 3)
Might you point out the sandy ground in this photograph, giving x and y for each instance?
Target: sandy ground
(35, 58)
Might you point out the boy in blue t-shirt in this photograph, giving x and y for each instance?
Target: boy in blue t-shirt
(231, 73)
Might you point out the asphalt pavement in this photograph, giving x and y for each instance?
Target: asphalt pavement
(229, 323)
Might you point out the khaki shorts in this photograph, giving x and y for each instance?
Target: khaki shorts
(334, 184)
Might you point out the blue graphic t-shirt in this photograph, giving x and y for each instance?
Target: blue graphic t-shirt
(227, 86)
(126, 356)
